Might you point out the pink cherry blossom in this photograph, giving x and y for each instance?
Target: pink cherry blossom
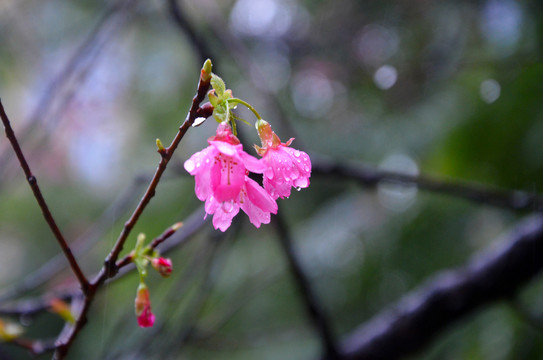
(220, 173)
(143, 307)
(286, 167)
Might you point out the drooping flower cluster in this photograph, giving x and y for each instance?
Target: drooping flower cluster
(221, 174)
(142, 306)
(222, 179)
(141, 256)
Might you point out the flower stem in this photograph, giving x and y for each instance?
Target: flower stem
(249, 106)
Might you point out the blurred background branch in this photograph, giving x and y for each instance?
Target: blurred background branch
(449, 296)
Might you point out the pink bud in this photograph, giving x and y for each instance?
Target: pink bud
(163, 266)
(142, 306)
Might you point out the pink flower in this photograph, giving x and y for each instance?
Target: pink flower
(220, 173)
(142, 306)
(286, 167)
(163, 266)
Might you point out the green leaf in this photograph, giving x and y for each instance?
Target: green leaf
(218, 85)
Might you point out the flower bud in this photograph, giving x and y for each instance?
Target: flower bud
(205, 74)
(267, 137)
(142, 306)
(163, 266)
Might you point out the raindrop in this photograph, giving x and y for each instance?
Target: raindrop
(199, 121)
(189, 165)
(302, 182)
(297, 153)
(228, 206)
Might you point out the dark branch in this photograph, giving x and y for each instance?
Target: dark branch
(419, 317)
(33, 182)
(80, 245)
(34, 306)
(312, 306)
(183, 24)
(513, 200)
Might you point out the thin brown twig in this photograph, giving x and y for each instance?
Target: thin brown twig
(35, 306)
(166, 155)
(33, 182)
(80, 245)
(152, 246)
(30, 307)
(110, 267)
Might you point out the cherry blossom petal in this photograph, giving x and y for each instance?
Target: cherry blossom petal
(259, 197)
(226, 148)
(227, 177)
(286, 167)
(199, 165)
(147, 318)
(253, 164)
(223, 213)
(257, 203)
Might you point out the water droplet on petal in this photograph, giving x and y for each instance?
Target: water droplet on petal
(189, 165)
(301, 182)
(228, 206)
(297, 153)
(298, 188)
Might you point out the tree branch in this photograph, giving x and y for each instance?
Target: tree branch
(166, 155)
(33, 182)
(312, 306)
(110, 267)
(80, 245)
(513, 200)
(183, 24)
(450, 296)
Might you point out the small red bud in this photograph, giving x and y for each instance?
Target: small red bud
(163, 266)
